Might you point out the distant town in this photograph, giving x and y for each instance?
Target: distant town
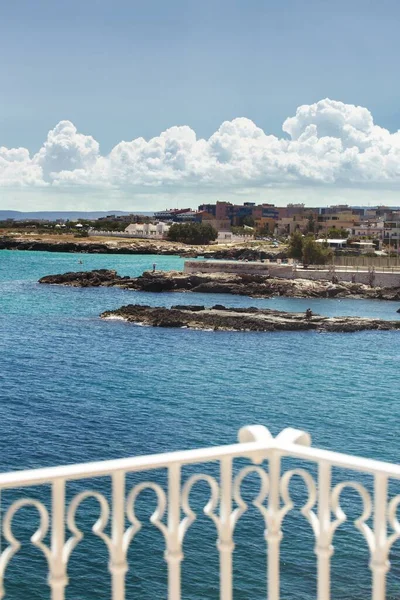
(368, 226)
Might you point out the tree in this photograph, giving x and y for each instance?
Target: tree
(192, 233)
(308, 250)
(295, 249)
(315, 253)
(337, 233)
(244, 231)
(264, 230)
(247, 220)
(311, 224)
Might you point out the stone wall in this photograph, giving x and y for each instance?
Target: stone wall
(233, 266)
(123, 234)
(287, 271)
(380, 279)
(367, 261)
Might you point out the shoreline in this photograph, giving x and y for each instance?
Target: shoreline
(68, 244)
(255, 286)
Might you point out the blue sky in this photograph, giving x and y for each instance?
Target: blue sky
(130, 69)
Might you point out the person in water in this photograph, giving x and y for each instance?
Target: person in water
(154, 267)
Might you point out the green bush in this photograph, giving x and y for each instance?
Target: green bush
(315, 253)
(306, 249)
(337, 233)
(192, 233)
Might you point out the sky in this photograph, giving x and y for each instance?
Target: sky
(140, 105)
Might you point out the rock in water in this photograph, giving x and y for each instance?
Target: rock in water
(257, 286)
(101, 277)
(242, 319)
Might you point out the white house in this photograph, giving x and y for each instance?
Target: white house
(333, 243)
(148, 230)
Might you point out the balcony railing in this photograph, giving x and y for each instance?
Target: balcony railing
(256, 453)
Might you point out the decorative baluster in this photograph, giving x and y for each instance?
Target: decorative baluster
(173, 554)
(58, 579)
(275, 512)
(225, 541)
(379, 556)
(118, 564)
(323, 546)
(273, 533)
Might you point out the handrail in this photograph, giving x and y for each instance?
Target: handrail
(149, 462)
(132, 464)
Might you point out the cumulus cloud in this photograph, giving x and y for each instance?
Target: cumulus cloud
(17, 168)
(66, 150)
(328, 142)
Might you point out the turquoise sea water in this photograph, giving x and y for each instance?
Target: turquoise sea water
(75, 388)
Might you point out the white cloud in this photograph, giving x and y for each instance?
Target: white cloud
(328, 143)
(66, 150)
(16, 168)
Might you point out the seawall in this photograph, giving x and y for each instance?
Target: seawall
(380, 278)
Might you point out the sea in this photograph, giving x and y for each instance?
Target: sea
(75, 388)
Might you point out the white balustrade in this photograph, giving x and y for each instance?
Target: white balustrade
(173, 515)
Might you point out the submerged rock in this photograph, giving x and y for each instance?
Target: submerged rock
(242, 319)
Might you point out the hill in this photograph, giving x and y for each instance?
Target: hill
(61, 214)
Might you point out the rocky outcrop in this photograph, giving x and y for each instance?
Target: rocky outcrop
(88, 247)
(97, 278)
(242, 319)
(127, 246)
(257, 286)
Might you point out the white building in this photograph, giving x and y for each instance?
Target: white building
(375, 230)
(148, 230)
(364, 247)
(333, 243)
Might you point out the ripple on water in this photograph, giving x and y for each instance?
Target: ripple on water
(77, 388)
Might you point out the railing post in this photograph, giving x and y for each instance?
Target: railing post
(173, 554)
(379, 557)
(225, 541)
(58, 579)
(323, 547)
(273, 533)
(118, 565)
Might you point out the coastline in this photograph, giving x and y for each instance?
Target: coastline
(92, 245)
(255, 286)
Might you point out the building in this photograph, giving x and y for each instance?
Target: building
(391, 233)
(175, 215)
(241, 214)
(335, 244)
(375, 230)
(148, 230)
(344, 219)
(218, 224)
(363, 247)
